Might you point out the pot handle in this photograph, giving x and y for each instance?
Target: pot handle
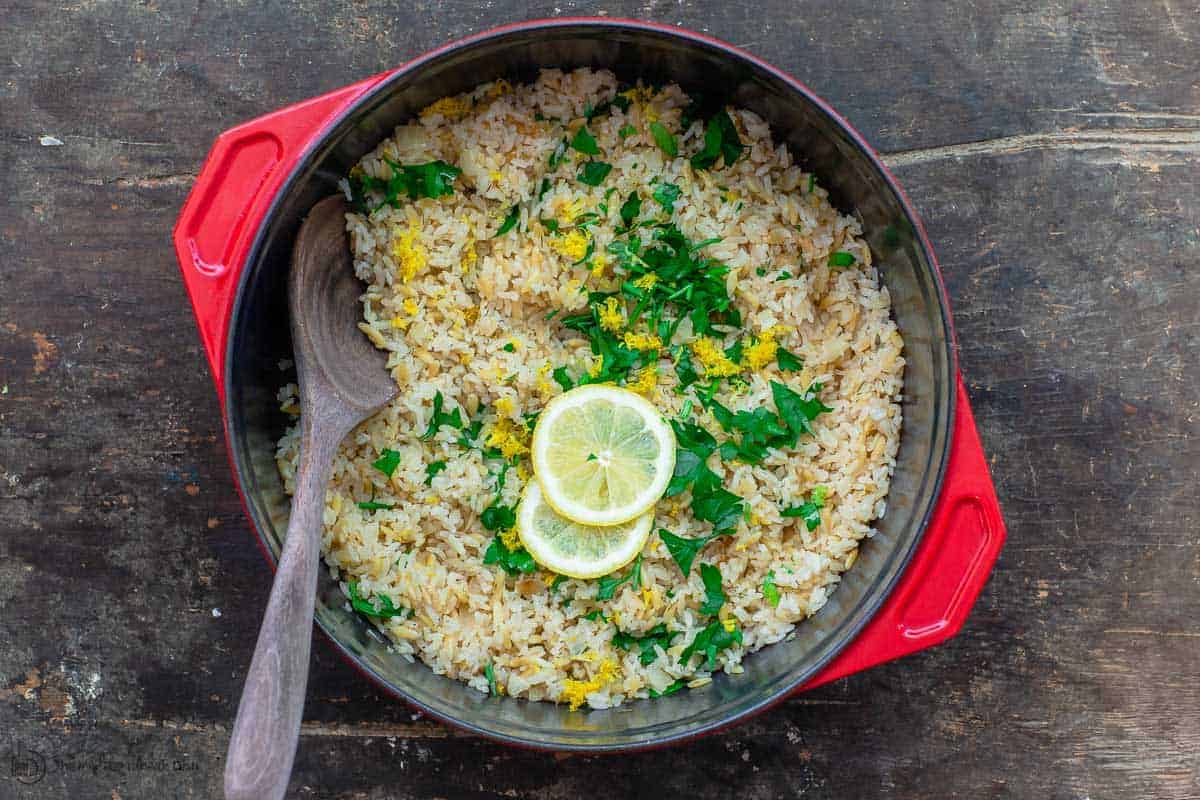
(244, 171)
(945, 576)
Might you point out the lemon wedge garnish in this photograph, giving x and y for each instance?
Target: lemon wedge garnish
(602, 455)
(574, 550)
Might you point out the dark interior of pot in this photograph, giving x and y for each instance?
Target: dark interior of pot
(260, 339)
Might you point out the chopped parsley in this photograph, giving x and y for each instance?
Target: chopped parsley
(783, 276)
(513, 562)
(787, 361)
(672, 688)
(434, 179)
(509, 347)
(585, 143)
(658, 636)
(631, 208)
(596, 615)
(810, 510)
(387, 462)
(812, 182)
(665, 194)
(769, 590)
(710, 641)
(563, 379)
(371, 505)
(433, 469)
(510, 221)
(626, 131)
(558, 581)
(440, 418)
(489, 672)
(609, 584)
(498, 517)
(664, 139)
(594, 173)
(382, 607)
(841, 259)
(798, 410)
(683, 550)
(721, 141)
(714, 595)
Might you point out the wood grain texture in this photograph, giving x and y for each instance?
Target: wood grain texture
(1054, 151)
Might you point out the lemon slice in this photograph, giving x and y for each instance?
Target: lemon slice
(602, 455)
(574, 550)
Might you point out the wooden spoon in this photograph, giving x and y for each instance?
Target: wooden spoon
(343, 380)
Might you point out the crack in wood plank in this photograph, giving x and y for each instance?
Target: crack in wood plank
(1174, 140)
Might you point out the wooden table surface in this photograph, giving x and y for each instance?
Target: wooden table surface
(1054, 150)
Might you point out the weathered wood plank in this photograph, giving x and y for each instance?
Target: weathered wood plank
(1053, 149)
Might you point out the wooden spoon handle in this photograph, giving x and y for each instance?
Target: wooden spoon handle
(267, 729)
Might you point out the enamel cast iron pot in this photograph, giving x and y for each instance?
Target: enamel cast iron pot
(914, 582)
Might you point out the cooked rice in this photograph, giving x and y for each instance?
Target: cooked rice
(468, 295)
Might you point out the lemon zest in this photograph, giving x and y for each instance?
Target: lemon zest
(511, 539)
(646, 381)
(612, 316)
(509, 438)
(642, 341)
(452, 108)
(575, 692)
(573, 246)
(646, 282)
(599, 264)
(716, 364)
(505, 406)
(409, 256)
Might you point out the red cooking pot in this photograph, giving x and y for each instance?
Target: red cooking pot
(914, 582)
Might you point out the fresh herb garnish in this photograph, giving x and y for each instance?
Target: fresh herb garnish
(371, 505)
(563, 379)
(626, 131)
(714, 595)
(710, 641)
(683, 550)
(658, 636)
(387, 462)
(812, 182)
(513, 562)
(382, 607)
(509, 347)
(439, 418)
(594, 173)
(510, 221)
(783, 276)
(798, 410)
(585, 143)
(596, 615)
(787, 361)
(432, 469)
(664, 139)
(489, 672)
(434, 179)
(809, 510)
(666, 194)
(558, 581)
(498, 517)
(721, 141)
(610, 584)
(841, 259)
(631, 208)
(672, 688)
(769, 590)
